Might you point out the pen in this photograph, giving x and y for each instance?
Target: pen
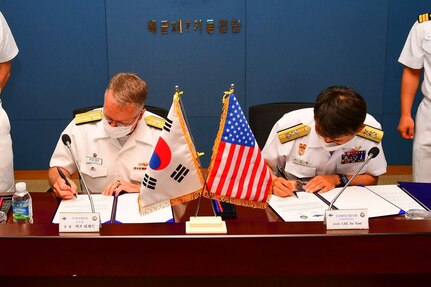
(114, 209)
(284, 175)
(219, 206)
(64, 178)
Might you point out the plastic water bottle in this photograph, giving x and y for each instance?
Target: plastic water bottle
(22, 208)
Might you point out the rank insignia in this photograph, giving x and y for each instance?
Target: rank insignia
(155, 122)
(302, 148)
(353, 156)
(371, 133)
(88, 117)
(424, 17)
(293, 133)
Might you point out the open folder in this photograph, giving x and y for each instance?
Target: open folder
(380, 200)
(113, 209)
(420, 191)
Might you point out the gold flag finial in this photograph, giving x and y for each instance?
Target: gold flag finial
(200, 154)
(177, 90)
(231, 90)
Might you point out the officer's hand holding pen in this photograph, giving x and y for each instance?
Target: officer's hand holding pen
(64, 189)
(283, 186)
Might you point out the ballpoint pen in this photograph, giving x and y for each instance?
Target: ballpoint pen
(284, 175)
(64, 178)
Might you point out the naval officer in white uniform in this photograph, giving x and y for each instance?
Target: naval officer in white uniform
(112, 145)
(325, 145)
(8, 51)
(416, 57)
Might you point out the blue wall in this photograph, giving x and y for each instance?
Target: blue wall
(287, 50)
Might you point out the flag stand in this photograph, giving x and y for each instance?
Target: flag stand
(205, 224)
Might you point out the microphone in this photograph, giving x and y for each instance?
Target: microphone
(372, 153)
(67, 142)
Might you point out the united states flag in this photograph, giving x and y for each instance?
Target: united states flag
(237, 172)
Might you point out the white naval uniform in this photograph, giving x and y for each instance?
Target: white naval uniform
(305, 157)
(8, 51)
(101, 158)
(416, 54)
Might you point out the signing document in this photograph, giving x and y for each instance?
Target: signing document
(358, 197)
(102, 204)
(396, 195)
(380, 200)
(126, 210)
(305, 207)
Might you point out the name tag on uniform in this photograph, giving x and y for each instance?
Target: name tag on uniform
(301, 162)
(94, 160)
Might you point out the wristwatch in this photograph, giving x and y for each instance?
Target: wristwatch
(343, 179)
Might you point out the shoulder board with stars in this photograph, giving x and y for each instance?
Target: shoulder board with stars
(155, 122)
(424, 17)
(293, 133)
(88, 117)
(371, 133)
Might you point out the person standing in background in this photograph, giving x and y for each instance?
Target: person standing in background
(416, 58)
(8, 51)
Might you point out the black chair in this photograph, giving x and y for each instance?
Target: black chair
(263, 117)
(155, 110)
(158, 111)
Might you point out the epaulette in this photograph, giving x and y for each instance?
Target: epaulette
(155, 122)
(424, 17)
(371, 133)
(293, 133)
(88, 117)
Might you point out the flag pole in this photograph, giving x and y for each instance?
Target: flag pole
(231, 91)
(205, 224)
(227, 93)
(178, 92)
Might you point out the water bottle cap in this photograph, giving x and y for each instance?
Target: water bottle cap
(21, 186)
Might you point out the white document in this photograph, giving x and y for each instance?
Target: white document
(396, 195)
(379, 200)
(307, 207)
(102, 204)
(357, 197)
(128, 211)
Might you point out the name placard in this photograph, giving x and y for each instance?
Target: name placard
(347, 219)
(79, 222)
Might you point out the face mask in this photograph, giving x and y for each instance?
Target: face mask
(117, 132)
(331, 146)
